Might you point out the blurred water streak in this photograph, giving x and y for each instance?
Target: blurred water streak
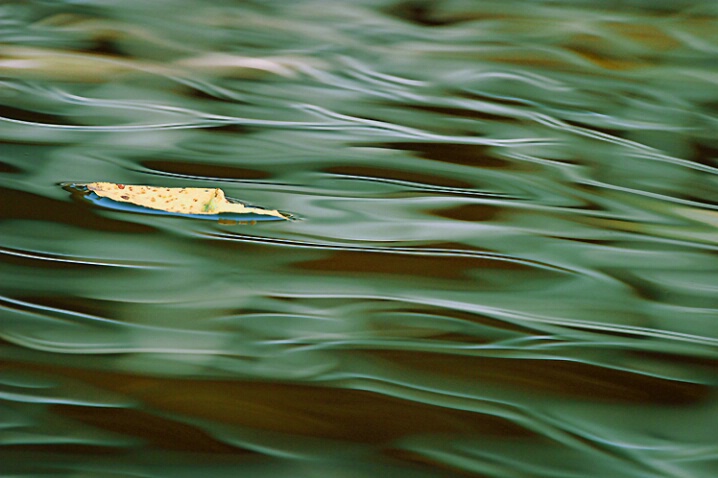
(505, 262)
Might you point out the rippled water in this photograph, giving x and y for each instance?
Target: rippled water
(504, 264)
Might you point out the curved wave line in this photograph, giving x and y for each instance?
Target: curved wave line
(428, 252)
(57, 258)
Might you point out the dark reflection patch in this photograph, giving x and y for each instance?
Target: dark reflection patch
(65, 449)
(706, 152)
(416, 265)
(411, 176)
(8, 168)
(470, 212)
(454, 153)
(465, 316)
(425, 13)
(71, 305)
(459, 112)
(151, 429)
(31, 116)
(558, 377)
(302, 410)
(27, 206)
(107, 46)
(205, 169)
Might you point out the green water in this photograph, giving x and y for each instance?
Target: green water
(504, 262)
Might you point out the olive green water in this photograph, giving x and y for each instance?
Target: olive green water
(504, 264)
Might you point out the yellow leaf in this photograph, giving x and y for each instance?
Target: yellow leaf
(208, 201)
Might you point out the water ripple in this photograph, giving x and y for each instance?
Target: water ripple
(424, 252)
(505, 260)
(44, 257)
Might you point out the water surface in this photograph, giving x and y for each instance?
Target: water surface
(504, 264)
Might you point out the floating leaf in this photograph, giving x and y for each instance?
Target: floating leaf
(202, 203)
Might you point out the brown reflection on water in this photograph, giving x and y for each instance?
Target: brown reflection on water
(316, 411)
(204, 170)
(469, 317)
(470, 212)
(453, 153)
(458, 112)
(27, 206)
(411, 176)
(72, 303)
(451, 267)
(8, 168)
(645, 33)
(154, 431)
(64, 449)
(32, 116)
(558, 377)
